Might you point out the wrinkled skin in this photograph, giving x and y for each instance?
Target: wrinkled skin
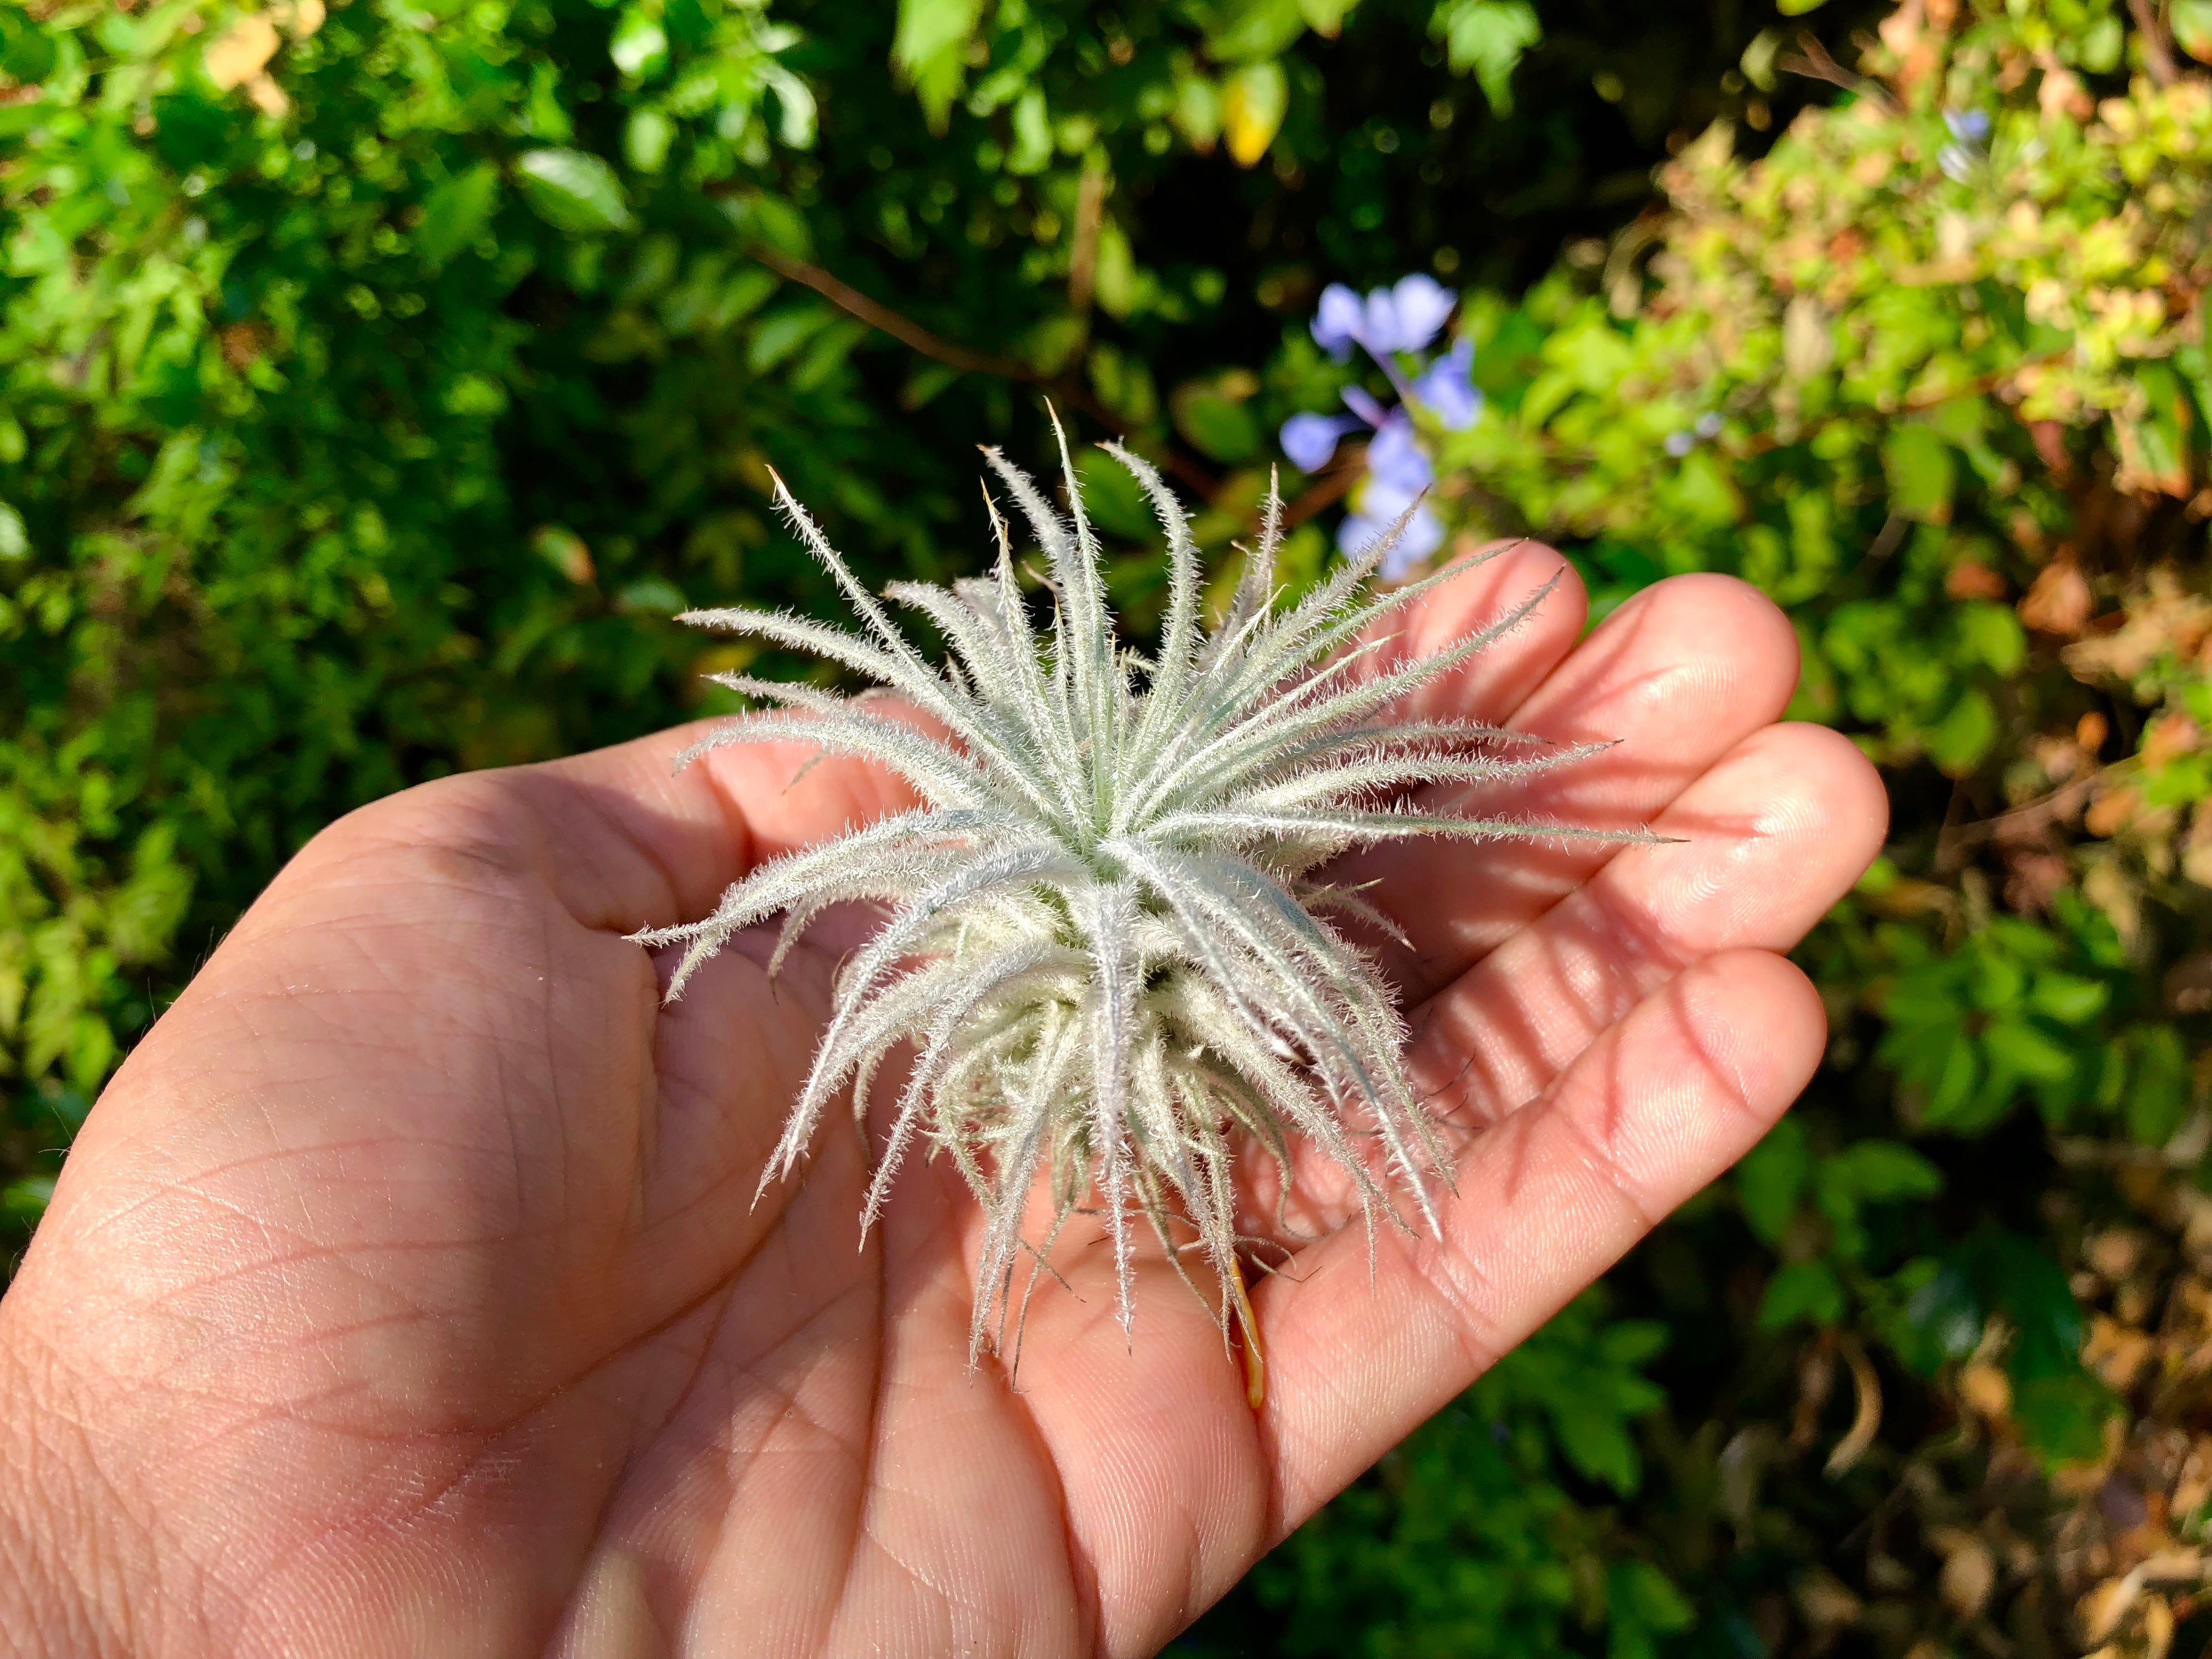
(404, 1294)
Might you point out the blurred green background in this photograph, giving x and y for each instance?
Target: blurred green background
(377, 377)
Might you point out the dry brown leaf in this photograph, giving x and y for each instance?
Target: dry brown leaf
(1985, 1390)
(2115, 1252)
(1968, 579)
(1970, 1573)
(1866, 1421)
(1825, 1601)
(2112, 812)
(242, 52)
(2117, 1353)
(2103, 1609)
(2158, 1627)
(2058, 601)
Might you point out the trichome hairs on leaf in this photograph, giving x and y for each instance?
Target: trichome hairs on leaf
(1110, 941)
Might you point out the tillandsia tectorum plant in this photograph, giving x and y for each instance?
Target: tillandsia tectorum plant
(1107, 940)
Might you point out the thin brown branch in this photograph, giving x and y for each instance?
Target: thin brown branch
(1324, 492)
(2157, 45)
(904, 329)
(1813, 62)
(2025, 819)
(1328, 488)
(1063, 389)
(1083, 258)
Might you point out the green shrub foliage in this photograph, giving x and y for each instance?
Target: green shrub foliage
(377, 380)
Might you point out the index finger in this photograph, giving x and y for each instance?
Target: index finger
(630, 841)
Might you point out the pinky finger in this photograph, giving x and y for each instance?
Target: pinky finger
(1547, 1200)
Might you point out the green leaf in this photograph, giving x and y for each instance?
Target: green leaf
(2026, 1052)
(1797, 7)
(1771, 1179)
(2063, 1417)
(1597, 1442)
(1255, 29)
(772, 219)
(639, 47)
(2068, 998)
(456, 213)
(1921, 473)
(930, 47)
(1879, 1170)
(1641, 1602)
(646, 140)
(1221, 428)
(572, 191)
(1993, 635)
(2191, 23)
(1254, 102)
(1950, 1101)
(1633, 1342)
(27, 54)
(1488, 38)
(1802, 1290)
(1114, 499)
(1964, 736)
(2158, 1096)
(1325, 17)
(25, 1201)
(651, 596)
(781, 333)
(1947, 1312)
(14, 539)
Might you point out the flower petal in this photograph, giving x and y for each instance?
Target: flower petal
(1310, 439)
(1356, 398)
(1396, 460)
(1407, 317)
(1446, 388)
(1339, 322)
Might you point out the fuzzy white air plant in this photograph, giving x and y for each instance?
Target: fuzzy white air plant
(1108, 940)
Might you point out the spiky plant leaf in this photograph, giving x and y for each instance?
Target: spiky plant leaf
(1108, 947)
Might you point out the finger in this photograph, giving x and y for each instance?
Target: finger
(1546, 1202)
(629, 839)
(1675, 679)
(1493, 682)
(1770, 837)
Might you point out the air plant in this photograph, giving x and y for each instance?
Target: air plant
(1113, 947)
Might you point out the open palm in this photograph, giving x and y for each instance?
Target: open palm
(404, 1294)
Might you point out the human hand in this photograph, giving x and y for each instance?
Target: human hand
(403, 1294)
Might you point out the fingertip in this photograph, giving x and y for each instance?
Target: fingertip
(1493, 682)
(1703, 626)
(1758, 1025)
(1855, 799)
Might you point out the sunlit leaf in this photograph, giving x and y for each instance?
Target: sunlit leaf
(573, 190)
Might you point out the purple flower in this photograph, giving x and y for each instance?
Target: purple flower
(1405, 317)
(1310, 439)
(1358, 400)
(1339, 322)
(1395, 466)
(1424, 535)
(1446, 388)
(1398, 472)
(1968, 126)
